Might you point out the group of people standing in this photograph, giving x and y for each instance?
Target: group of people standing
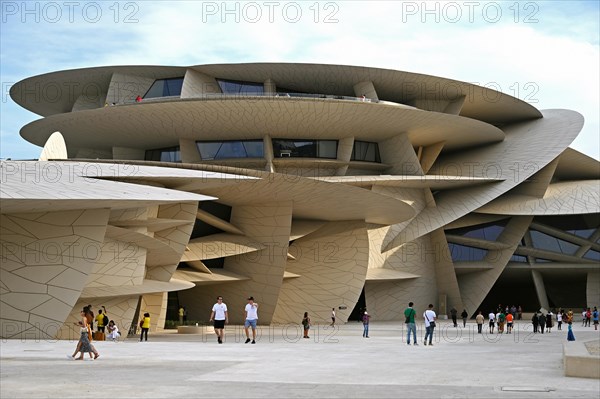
(104, 326)
(501, 319)
(429, 316)
(588, 316)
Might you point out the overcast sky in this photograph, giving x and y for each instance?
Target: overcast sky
(543, 52)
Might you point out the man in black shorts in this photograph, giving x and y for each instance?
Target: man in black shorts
(219, 315)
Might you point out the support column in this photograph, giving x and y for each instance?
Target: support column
(189, 151)
(540, 289)
(268, 151)
(270, 87)
(592, 292)
(344, 154)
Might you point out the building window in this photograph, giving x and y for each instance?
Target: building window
(165, 88)
(305, 148)
(243, 88)
(544, 241)
(171, 154)
(365, 151)
(518, 258)
(463, 253)
(488, 231)
(583, 233)
(210, 150)
(592, 255)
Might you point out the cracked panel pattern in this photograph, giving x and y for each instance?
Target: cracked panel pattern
(46, 261)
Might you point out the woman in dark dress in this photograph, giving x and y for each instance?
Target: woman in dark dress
(549, 321)
(542, 322)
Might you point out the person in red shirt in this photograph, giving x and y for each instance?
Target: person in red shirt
(509, 323)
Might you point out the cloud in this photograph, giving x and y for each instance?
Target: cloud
(532, 50)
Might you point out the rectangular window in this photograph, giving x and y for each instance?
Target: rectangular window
(365, 151)
(210, 150)
(171, 154)
(299, 148)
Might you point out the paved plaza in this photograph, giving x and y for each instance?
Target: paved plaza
(333, 363)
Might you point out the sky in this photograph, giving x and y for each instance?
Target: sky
(542, 52)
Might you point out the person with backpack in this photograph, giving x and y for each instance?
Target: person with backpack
(306, 324)
(409, 314)
(101, 320)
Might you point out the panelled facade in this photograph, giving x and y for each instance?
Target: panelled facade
(309, 187)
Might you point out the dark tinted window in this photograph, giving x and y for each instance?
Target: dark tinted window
(237, 87)
(171, 154)
(365, 151)
(544, 241)
(230, 149)
(165, 88)
(305, 148)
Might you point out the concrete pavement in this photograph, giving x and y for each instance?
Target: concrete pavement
(333, 363)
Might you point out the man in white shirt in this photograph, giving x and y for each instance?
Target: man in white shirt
(492, 318)
(429, 316)
(251, 312)
(219, 315)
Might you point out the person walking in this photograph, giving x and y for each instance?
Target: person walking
(595, 317)
(145, 325)
(559, 317)
(84, 345)
(409, 314)
(306, 324)
(534, 321)
(464, 316)
(479, 319)
(549, 322)
(509, 323)
(220, 317)
(251, 318)
(541, 322)
(519, 313)
(332, 317)
(501, 320)
(429, 316)
(492, 321)
(453, 313)
(588, 317)
(365, 320)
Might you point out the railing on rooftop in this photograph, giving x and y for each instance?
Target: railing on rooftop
(278, 96)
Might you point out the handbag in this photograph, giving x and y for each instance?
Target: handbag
(431, 323)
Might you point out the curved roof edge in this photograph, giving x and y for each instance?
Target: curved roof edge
(56, 92)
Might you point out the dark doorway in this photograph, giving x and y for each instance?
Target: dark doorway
(359, 309)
